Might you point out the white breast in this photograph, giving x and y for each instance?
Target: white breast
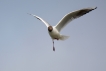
(54, 34)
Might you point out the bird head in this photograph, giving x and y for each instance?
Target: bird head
(50, 28)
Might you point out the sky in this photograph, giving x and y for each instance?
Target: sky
(25, 44)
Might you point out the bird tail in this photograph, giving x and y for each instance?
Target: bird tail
(64, 37)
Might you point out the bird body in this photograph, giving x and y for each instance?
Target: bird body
(55, 34)
(54, 31)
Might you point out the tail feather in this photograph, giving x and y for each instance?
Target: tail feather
(64, 37)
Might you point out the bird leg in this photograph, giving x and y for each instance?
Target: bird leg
(53, 46)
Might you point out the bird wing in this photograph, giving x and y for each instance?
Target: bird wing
(71, 16)
(40, 20)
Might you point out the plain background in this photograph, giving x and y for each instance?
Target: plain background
(26, 46)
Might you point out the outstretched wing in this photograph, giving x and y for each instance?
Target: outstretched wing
(71, 16)
(40, 20)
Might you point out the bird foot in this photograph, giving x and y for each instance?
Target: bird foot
(53, 48)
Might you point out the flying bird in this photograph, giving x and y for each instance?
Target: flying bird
(54, 31)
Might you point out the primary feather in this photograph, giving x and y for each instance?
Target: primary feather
(47, 24)
(71, 16)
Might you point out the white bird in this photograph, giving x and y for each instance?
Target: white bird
(54, 31)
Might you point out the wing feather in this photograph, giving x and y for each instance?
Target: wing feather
(71, 16)
(40, 20)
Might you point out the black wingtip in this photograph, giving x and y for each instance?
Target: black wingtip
(95, 8)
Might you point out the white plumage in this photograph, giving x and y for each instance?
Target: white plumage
(54, 31)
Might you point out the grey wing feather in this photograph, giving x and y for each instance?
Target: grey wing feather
(40, 20)
(71, 16)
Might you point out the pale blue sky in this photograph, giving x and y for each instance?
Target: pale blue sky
(26, 46)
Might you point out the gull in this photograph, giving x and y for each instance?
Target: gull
(54, 31)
